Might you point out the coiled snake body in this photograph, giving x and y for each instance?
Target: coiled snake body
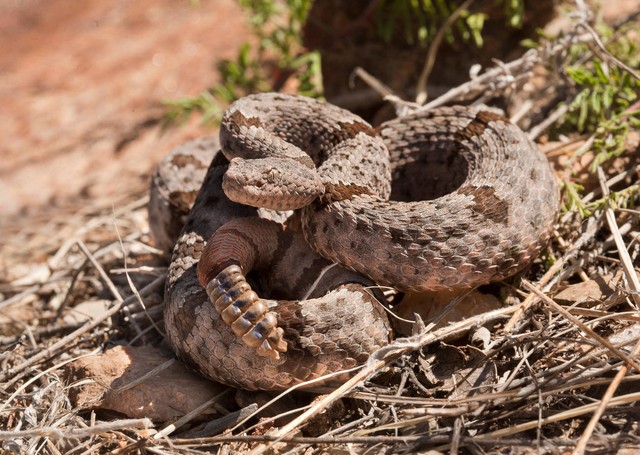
(472, 201)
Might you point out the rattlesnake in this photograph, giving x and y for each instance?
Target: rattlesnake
(486, 200)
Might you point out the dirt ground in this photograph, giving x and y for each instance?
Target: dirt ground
(82, 85)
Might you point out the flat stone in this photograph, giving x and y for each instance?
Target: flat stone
(102, 384)
(588, 293)
(431, 305)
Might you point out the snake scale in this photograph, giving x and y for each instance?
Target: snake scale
(448, 198)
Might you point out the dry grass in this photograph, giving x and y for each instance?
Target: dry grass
(549, 376)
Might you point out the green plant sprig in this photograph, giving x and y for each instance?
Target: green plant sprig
(625, 198)
(419, 20)
(606, 100)
(277, 55)
(605, 105)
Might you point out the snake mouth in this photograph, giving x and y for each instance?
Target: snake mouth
(432, 171)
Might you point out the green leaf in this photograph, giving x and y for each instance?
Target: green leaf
(600, 70)
(607, 96)
(595, 100)
(476, 23)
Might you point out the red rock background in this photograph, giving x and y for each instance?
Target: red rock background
(81, 90)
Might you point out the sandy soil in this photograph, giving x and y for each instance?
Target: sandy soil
(82, 85)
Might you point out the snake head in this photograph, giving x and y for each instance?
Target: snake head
(272, 183)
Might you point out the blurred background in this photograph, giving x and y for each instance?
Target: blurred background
(83, 85)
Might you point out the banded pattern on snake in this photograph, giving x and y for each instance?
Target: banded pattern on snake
(472, 201)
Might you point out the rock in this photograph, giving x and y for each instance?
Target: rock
(588, 293)
(86, 311)
(430, 305)
(626, 337)
(86, 100)
(103, 383)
